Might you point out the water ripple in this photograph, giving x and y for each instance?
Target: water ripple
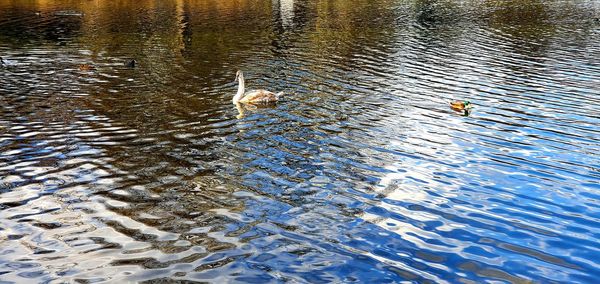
(118, 173)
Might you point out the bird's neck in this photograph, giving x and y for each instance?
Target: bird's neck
(240, 92)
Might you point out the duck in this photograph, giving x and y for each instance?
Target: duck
(254, 96)
(461, 105)
(86, 67)
(130, 63)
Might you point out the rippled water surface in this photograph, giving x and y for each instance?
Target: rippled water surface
(362, 173)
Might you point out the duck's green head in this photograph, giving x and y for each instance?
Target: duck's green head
(467, 104)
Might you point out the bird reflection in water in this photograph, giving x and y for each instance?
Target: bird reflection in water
(243, 109)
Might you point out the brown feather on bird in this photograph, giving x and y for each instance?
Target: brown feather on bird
(461, 105)
(259, 97)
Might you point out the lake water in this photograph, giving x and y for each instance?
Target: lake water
(362, 173)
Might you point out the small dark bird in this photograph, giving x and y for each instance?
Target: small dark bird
(131, 63)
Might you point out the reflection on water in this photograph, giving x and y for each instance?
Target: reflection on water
(363, 173)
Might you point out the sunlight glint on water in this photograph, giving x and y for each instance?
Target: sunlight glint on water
(116, 173)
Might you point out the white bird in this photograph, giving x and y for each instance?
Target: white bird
(254, 96)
